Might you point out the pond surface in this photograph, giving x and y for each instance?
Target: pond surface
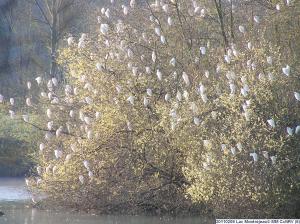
(15, 203)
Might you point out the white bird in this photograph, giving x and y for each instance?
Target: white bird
(42, 146)
(68, 157)
(39, 170)
(271, 122)
(70, 41)
(28, 102)
(58, 153)
(130, 99)
(203, 50)
(50, 125)
(73, 147)
(290, 131)
(159, 74)
(269, 60)
(97, 115)
(196, 121)
(265, 154)
(165, 7)
(146, 102)
(186, 78)
(90, 174)
(81, 179)
(286, 70)
(167, 97)
(86, 164)
(273, 159)
(149, 92)
(173, 62)
(254, 156)
(242, 29)
(12, 114)
(54, 81)
(49, 113)
(88, 100)
(179, 96)
(48, 136)
(29, 85)
(297, 131)
(163, 39)
(233, 150)
(107, 13)
(59, 131)
(27, 182)
(256, 19)
(12, 101)
(43, 94)
(297, 96)
(132, 3)
(170, 21)
(239, 146)
(104, 28)
(157, 31)
(87, 120)
(1, 98)
(90, 134)
(278, 7)
(153, 56)
(25, 118)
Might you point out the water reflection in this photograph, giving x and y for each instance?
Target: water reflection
(12, 202)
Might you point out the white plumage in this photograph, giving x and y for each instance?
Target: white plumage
(271, 122)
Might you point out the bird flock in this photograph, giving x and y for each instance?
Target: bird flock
(152, 72)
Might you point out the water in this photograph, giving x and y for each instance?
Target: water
(15, 203)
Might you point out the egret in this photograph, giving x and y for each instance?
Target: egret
(12, 114)
(159, 74)
(50, 125)
(58, 153)
(290, 131)
(29, 85)
(97, 115)
(59, 131)
(271, 122)
(25, 118)
(71, 113)
(297, 96)
(49, 113)
(239, 146)
(90, 134)
(170, 21)
(153, 56)
(254, 156)
(104, 28)
(286, 70)
(27, 182)
(278, 7)
(265, 154)
(39, 170)
(81, 179)
(130, 99)
(273, 159)
(157, 31)
(87, 120)
(269, 60)
(167, 97)
(256, 19)
(173, 62)
(86, 164)
(149, 92)
(54, 81)
(70, 41)
(186, 78)
(233, 151)
(90, 174)
(162, 39)
(42, 146)
(242, 29)
(196, 121)
(297, 131)
(38, 80)
(203, 50)
(73, 147)
(179, 96)
(1, 98)
(28, 102)
(146, 102)
(107, 13)
(12, 101)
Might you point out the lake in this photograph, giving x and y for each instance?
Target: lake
(15, 203)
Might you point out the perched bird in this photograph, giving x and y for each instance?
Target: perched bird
(273, 159)
(159, 74)
(286, 70)
(254, 156)
(297, 96)
(271, 122)
(242, 29)
(290, 131)
(81, 179)
(104, 28)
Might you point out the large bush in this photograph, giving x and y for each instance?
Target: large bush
(155, 117)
